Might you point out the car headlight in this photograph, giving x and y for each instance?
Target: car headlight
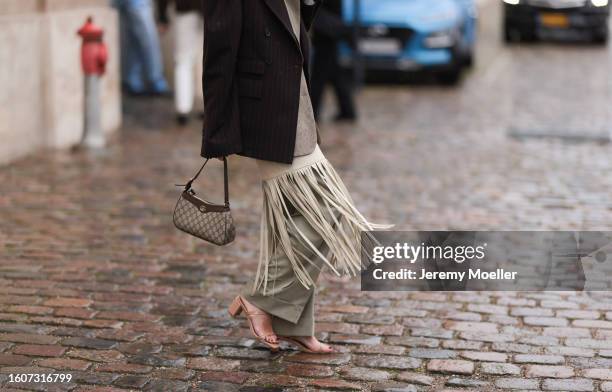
(512, 2)
(441, 39)
(599, 3)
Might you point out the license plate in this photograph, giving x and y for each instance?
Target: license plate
(380, 46)
(555, 20)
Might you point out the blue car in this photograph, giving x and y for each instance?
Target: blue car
(413, 35)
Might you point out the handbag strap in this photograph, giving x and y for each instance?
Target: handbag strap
(225, 180)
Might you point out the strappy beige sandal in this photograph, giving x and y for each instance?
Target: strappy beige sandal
(238, 307)
(305, 348)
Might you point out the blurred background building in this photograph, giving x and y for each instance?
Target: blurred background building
(42, 90)
(458, 43)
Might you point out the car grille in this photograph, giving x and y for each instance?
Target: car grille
(382, 31)
(557, 4)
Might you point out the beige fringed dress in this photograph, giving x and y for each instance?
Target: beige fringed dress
(308, 222)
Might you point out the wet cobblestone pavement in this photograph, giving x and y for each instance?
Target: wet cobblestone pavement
(96, 282)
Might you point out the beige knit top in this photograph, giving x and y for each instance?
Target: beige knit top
(306, 133)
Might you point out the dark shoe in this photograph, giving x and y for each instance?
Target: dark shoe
(160, 94)
(182, 119)
(345, 118)
(148, 93)
(134, 93)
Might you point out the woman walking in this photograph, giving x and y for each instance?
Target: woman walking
(257, 104)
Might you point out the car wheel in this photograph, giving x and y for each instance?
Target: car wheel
(528, 36)
(601, 36)
(514, 34)
(509, 35)
(468, 60)
(450, 77)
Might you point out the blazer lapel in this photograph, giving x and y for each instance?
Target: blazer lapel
(279, 9)
(305, 49)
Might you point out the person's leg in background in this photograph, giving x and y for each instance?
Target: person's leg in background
(144, 32)
(322, 65)
(131, 67)
(326, 69)
(188, 36)
(343, 84)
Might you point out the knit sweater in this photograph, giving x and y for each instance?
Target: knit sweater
(306, 132)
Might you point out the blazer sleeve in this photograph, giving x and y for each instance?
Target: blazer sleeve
(223, 27)
(309, 10)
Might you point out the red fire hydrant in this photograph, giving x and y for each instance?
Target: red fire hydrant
(94, 53)
(94, 56)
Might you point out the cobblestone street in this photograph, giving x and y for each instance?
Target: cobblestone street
(96, 282)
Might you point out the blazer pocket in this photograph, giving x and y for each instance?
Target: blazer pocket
(254, 67)
(252, 88)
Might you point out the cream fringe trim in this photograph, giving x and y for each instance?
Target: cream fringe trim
(316, 191)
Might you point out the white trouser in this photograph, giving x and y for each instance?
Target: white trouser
(188, 43)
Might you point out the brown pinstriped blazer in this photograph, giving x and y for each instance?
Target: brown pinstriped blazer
(252, 72)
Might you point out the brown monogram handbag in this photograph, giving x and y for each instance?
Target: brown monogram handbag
(208, 221)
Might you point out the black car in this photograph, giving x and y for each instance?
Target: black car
(527, 20)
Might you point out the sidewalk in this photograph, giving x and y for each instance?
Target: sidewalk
(95, 281)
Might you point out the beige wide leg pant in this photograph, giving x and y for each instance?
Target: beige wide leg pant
(287, 300)
(308, 222)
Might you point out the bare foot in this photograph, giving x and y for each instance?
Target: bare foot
(262, 322)
(313, 344)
